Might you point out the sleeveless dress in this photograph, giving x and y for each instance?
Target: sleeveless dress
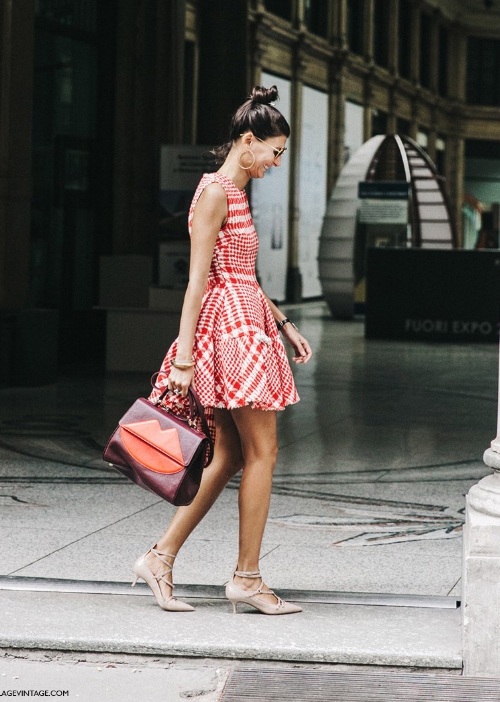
(238, 353)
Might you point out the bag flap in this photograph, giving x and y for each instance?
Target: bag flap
(151, 424)
(164, 440)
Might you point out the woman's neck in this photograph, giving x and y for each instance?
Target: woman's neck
(232, 170)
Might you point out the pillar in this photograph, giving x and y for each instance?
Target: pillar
(223, 71)
(454, 171)
(368, 31)
(434, 52)
(367, 112)
(481, 571)
(16, 114)
(148, 112)
(338, 25)
(336, 132)
(415, 43)
(294, 277)
(393, 37)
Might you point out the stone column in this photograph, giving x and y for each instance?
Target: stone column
(338, 25)
(367, 101)
(454, 172)
(481, 571)
(148, 112)
(16, 115)
(294, 277)
(415, 43)
(431, 144)
(256, 54)
(223, 70)
(336, 132)
(393, 36)
(368, 31)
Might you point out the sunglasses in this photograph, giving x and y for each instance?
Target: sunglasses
(277, 152)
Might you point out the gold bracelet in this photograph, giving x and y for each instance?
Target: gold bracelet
(182, 365)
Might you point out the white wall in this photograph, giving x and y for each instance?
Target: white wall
(312, 185)
(353, 138)
(270, 208)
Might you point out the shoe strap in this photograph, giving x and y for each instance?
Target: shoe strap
(243, 574)
(162, 575)
(259, 591)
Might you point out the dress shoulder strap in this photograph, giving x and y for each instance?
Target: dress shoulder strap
(233, 193)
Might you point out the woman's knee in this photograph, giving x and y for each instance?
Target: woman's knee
(262, 455)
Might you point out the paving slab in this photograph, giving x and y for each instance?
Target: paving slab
(369, 635)
(113, 681)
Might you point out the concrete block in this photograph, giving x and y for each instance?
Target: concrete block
(166, 299)
(481, 582)
(173, 264)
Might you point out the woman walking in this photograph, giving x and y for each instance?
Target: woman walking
(229, 349)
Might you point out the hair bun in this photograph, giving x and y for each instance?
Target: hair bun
(264, 95)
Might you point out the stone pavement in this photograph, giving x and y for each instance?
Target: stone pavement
(368, 498)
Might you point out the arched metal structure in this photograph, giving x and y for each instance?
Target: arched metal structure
(384, 158)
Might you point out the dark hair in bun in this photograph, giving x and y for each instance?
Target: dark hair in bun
(258, 116)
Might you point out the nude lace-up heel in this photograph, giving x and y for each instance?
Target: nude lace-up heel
(142, 570)
(236, 594)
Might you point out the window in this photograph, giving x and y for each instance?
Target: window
(355, 25)
(425, 49)
(441, 154)
(381, 32)
(483, 67)
(316, 17)
(479, 148)
(443, 61)
(379, 122)
(403, 126)
(423, 138)
(404, 39)
(282, 8)
(79, 14)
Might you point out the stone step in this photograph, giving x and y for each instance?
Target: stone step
(322, 633)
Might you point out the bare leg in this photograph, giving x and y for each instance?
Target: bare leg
(227, 461)
(257, 430)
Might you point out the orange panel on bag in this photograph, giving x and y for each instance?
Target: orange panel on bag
(157, 449)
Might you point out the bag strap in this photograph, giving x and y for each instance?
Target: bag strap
(195, 408)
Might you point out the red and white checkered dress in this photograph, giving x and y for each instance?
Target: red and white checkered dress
(238, 353)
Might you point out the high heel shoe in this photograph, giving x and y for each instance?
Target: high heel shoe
(236, 594)
(142, 570)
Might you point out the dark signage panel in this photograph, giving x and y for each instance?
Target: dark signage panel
(383, 190)
(425, 295)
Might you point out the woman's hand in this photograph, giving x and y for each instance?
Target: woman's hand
(179, 380)
(300, 344)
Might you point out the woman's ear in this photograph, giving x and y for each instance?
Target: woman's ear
(247, 137)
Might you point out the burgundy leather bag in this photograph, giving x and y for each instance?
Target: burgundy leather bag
(161, 451)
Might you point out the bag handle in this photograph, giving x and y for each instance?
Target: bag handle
(195, 408)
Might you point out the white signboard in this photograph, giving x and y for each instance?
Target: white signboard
(312, 188)
(181, 168)
(383, 211)
(270, 208)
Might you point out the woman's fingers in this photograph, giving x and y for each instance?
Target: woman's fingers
(179, 381)
(303, 351)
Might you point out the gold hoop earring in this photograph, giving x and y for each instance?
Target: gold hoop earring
(246, 151)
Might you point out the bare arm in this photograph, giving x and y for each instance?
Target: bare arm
(209, 215)
(293, 336)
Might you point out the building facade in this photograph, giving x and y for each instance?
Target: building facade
(89, 91)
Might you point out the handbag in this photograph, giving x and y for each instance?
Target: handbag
(161, 451)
